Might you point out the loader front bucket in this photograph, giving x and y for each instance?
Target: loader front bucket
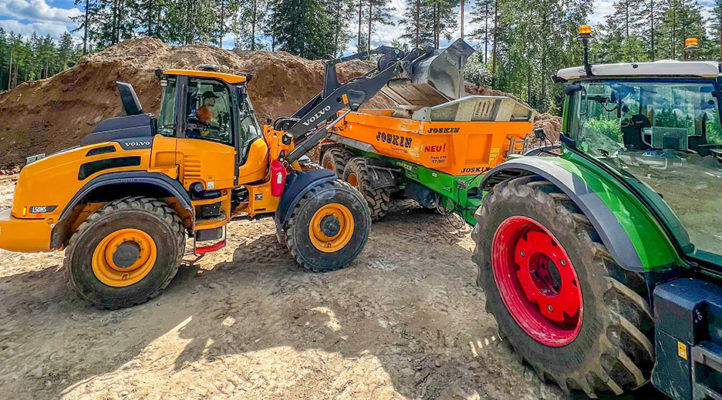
(434, 80)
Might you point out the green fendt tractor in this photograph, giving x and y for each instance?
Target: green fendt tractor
(603, 264)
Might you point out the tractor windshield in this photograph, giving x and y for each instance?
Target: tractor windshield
(665, 134)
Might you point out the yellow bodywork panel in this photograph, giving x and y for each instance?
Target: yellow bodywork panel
(230, 78)
(46, 187)
(26, 235)
(53, 181)
(207, 162)
(256, 166)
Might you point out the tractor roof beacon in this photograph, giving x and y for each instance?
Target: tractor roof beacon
(122, 203)
(602, 264)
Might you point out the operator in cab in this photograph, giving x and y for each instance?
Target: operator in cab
(204, 112)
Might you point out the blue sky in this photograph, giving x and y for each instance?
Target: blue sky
(53, 17)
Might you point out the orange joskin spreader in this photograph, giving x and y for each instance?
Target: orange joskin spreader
(435, 154)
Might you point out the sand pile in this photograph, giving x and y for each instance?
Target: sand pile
(55, 113)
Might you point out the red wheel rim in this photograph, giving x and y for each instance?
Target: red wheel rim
(537, 281)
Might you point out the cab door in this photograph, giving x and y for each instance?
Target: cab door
(205, 149)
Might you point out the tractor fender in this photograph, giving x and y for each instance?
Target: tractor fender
(298, 183)
(160, 182)
(613, 235)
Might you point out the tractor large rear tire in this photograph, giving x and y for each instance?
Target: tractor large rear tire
(125, 253)
(565, 306)
(328, 227)
(356, 175)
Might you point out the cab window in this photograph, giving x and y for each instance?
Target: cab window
(166, 119)
(248, 129)
(208, 111)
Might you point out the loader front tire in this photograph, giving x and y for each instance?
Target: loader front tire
(356, 175)
(125, 253)
(328, 227)
(557, 294)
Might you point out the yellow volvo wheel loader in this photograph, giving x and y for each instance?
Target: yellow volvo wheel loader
(123, 202)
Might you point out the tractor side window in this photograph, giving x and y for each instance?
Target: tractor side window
(208, 111)
(166, 119)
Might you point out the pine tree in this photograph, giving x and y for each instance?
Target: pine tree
(86, 22)
(682, 19)
(341, 11)
(715, 51)
(379, 12)
(482, 16)
(303, 27)
(418, 23)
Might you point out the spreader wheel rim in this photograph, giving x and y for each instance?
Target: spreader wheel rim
(537, 281)
(352, 180)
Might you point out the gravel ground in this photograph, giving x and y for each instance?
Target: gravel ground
(405, 321)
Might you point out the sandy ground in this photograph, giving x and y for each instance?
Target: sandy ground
(404, 321)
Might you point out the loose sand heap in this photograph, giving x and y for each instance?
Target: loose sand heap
(52, 114)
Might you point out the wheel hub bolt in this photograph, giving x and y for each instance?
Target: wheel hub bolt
(550, 308)
(522, 253)
(563, 263)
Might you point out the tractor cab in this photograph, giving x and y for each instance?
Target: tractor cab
(656, 125)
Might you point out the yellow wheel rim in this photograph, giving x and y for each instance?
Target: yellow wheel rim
(331, 228)
(352, 180)
(124, 257)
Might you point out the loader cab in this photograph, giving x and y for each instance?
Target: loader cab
(656, 126)
(210, 113)
(208, 106)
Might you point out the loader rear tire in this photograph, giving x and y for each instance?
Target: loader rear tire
(557, 294)
(356, 175)
(329, 227)
(335, 158)
(125, 253)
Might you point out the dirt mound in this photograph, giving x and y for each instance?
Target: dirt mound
(55, 113)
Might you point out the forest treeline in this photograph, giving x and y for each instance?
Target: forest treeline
(520, 43)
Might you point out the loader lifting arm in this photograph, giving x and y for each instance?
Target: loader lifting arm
(330, 100)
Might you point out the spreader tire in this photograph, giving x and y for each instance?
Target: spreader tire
(609, 348)
(335, 158)
(328, 227)
(356, 175)
(125, 253)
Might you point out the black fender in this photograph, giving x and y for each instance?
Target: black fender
(298, 183)
(160, 182)
(381, 173)
(606, 224)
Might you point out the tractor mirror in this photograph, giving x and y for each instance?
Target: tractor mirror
(573, 88)
(131, 104)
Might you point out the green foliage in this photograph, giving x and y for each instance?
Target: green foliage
(428, 21)
(535, 39)
(475, 71)
(482, 18)
(24, 60)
